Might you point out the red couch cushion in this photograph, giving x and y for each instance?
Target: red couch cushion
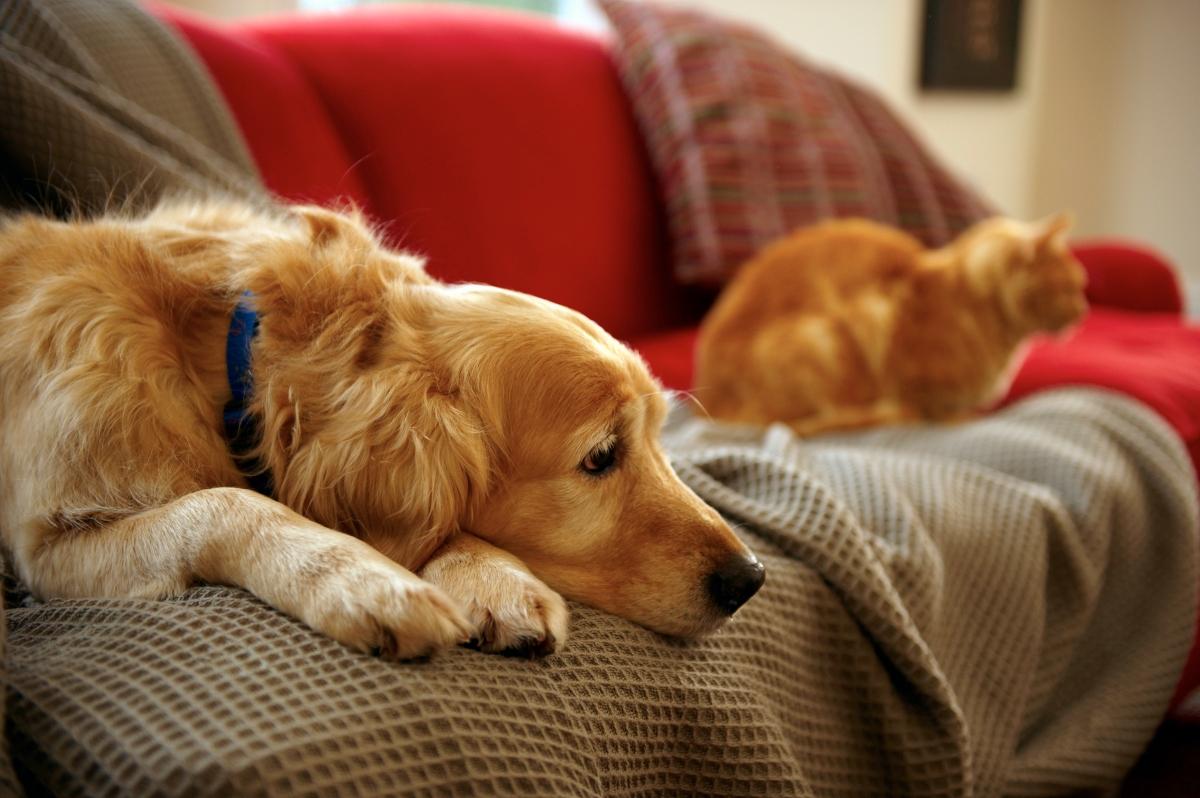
(293, 141)
(1128, 275)
(1154, 357)
(496, 143)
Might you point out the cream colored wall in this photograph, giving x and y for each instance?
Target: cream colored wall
(1076, 141)
(1119, 132)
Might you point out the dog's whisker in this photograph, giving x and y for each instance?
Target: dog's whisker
(692, 398)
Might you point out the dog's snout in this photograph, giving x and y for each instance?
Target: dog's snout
(735, 582)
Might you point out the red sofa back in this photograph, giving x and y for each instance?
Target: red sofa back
(502, 147)
(498, 144)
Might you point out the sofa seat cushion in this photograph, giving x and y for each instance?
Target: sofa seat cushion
(1154, 357)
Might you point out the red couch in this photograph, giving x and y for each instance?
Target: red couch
(504, 148)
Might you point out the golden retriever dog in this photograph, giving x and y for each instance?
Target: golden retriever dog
(447, 461)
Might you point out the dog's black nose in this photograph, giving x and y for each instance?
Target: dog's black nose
(735, 582)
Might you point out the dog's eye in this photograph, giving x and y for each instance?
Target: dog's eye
(601, 459)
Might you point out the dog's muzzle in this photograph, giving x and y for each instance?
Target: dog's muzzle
(735, 582)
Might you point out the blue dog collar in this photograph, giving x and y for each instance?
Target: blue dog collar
(241, 428)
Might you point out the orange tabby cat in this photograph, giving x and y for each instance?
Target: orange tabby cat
(851, 323)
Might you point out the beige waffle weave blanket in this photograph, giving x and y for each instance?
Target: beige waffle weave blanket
(102, 106)
(995, 608)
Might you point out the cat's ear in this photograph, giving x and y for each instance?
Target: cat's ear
(1052, 231)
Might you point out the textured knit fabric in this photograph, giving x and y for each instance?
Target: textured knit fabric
(994, 608)
(103, 108)
(751, 142)
(8, 779)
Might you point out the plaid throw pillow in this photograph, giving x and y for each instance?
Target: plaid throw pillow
(750, 142)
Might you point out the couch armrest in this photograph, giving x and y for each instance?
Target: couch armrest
(1128, 276)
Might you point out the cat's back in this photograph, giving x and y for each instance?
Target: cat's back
(814, 270)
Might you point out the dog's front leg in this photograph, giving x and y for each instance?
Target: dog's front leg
(511, 610)
(335, 583)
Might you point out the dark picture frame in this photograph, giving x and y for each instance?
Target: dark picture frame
(970, 45)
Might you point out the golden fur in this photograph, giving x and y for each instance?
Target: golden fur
(851, 323)
(438, 429)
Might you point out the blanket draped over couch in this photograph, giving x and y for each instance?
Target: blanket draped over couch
(103, 106)
(999, 607)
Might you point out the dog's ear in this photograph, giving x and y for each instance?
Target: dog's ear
(324, 225)
(326, 282)
(396, 446)
(300, 282)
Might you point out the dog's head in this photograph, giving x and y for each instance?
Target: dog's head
(581, 488)
(486, 410)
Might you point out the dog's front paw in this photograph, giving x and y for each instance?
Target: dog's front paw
(517, 615)
(382, 609)
(511, 611)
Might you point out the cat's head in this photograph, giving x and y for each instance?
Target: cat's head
(1030, 269)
